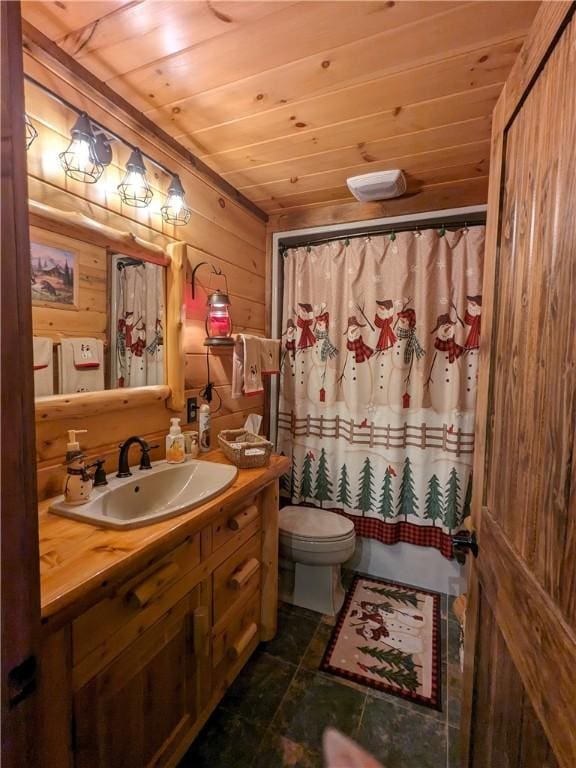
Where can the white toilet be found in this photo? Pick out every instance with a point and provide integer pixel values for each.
(313, 545)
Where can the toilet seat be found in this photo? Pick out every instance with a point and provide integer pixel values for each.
(307, 524)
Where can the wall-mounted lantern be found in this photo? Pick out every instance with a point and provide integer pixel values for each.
(134, 189)
(87, 155)
(218, 322)
(30, 131)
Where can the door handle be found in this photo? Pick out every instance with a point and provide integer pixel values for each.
(464, 541)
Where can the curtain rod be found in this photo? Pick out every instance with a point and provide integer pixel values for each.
(474, 220)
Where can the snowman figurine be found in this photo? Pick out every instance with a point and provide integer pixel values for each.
(471, 352)
(444, 377)
(405, 386)
(356, 376)
(304, 347)
(322, 387)
(382, 361)
(288, 364)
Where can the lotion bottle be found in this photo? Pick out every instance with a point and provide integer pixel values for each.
(175, 453)
(78, 483)
(204, 427)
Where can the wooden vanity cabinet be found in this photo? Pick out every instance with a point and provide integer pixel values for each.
(136, 712)
(129, 681)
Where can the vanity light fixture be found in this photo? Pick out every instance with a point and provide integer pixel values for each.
(85, 158)
(218, 321)
(134, 188)
(30, 131)
(174, 210)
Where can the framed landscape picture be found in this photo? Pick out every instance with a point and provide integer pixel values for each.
(54, 275)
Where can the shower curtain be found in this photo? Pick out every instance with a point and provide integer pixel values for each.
(378, 382)
(139, 313)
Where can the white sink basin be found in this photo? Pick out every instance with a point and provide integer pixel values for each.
(150, 495)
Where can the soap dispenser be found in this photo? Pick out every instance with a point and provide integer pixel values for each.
(78, 484)
(175, 451)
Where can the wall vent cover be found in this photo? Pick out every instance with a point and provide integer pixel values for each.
(381, 185)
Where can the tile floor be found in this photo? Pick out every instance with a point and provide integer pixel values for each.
(274, 714)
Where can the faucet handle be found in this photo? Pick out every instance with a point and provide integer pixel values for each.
(145, 458)
(99, 473)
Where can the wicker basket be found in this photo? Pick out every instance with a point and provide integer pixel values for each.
(244, 449)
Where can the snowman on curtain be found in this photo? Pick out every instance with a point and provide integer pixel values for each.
(322, 388)
(304, 347)
(405, 385)
(444, 377)
(288, 364)
(471, 352)
(382, 361)
(356, 376)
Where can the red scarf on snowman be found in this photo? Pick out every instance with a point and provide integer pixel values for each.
(473, 340)
(449, 345)
(307, 338)
(387, 337)
(362, 352)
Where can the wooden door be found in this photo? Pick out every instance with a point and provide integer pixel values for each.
(520, 654)
(20, 588)
(136, 712)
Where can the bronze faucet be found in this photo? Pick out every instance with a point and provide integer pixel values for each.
(123, 467)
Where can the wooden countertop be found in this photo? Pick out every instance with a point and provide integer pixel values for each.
(80, 562)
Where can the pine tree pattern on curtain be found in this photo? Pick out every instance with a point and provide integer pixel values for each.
(378, 387)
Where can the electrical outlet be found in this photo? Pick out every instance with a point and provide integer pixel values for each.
(191, 409)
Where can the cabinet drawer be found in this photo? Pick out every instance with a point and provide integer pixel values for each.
(237, 577)
(103, 631)
(234, 640)
(228, 525)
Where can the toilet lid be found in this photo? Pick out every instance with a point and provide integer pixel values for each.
(312, 523)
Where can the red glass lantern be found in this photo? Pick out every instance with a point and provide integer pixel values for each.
(218, 320)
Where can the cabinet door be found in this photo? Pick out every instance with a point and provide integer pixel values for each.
(137, 710)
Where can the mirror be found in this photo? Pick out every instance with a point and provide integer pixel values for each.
(97, 317)
(99, 310)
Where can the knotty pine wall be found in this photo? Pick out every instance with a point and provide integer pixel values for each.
(220, 231)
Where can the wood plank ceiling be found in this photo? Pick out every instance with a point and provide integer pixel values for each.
(288, 99)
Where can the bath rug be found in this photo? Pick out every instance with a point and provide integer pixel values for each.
(388, 637)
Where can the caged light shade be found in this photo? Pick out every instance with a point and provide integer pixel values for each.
(174, 211)
(80, 161)
(30, 131)
(134, 188)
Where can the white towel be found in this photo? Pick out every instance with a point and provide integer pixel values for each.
(43, 366)
(247, 366)
(81, 363)
(270, 356)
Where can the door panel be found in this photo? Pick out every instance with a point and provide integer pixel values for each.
(533, 381)
(136, 711)
(508, 733)
(520, 668)
(20, 581)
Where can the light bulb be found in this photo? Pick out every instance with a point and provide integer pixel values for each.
(134, 189)
(174, 210)
(79, 161)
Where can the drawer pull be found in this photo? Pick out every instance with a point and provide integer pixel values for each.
(242, 575)
(141, 595)
(237, 649)
(242, 519)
